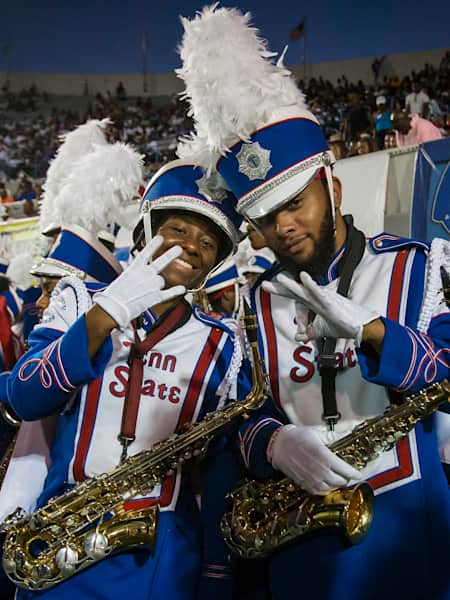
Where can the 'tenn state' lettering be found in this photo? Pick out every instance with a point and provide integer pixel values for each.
(150, 387)
(165, 362)
(301, 355)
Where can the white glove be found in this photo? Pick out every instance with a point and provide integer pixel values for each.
(336, 316)
(140, 286)
(298, 452)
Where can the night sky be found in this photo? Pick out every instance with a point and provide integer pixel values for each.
(105, 36)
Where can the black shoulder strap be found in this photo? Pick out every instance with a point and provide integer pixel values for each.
(354, 250)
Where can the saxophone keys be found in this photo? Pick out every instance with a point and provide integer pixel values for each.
(19, 557)
(10, 564)
(96, 545)
(40, 572)
(36, 522)
(66, 560)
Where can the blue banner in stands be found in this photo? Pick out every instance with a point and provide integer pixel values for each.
(430, 215)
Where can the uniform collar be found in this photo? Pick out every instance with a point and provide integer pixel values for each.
(331, 272)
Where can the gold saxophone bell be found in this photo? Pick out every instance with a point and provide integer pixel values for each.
(270, 514)
(351, 510)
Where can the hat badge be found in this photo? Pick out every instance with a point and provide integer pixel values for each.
(210, 187)
(254, 160)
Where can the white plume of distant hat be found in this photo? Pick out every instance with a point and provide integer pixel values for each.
(75, 144)
(99, 187)
(18, 271)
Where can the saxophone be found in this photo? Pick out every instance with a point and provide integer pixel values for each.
(268, 515)
(11, 424)
(88, 523)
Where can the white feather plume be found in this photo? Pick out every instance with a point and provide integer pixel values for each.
(232, 83)
(18, 271)
(100, 186)
(74, 145)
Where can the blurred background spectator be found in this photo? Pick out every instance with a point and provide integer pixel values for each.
(417, 102)
(337, 146)
(414, 130)
(382, 121)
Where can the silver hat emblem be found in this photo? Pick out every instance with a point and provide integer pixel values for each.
(211, 187)
(254, 160)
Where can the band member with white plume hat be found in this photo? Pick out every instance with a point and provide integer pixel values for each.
(96, 182)
(141, 350)
(341, 322)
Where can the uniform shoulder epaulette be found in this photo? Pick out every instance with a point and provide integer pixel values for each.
(387, 242)
(211, 319)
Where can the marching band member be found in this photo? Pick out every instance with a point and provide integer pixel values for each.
(369, 304)
(185, 364)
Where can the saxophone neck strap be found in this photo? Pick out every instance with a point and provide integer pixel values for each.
(353, 253)
(172, 319)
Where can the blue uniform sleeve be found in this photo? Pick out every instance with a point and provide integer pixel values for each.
(409, 360)
(254, 436)
(56, 365)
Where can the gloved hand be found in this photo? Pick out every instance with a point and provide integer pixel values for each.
(298, 452)
(140, 286)
(336, 316)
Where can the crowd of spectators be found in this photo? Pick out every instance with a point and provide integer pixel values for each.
(28, 142)
(357, 119)
(360, 118)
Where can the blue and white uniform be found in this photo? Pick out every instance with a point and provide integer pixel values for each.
(182, 380)
(409, 535)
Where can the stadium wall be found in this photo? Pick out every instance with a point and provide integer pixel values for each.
(166, 84)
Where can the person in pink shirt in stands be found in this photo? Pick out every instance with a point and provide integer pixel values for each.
(412, 129)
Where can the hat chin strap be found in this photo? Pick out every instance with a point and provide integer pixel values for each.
(147, 221)
(207, 276)
(329, 176)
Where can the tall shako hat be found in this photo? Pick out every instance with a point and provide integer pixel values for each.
(223, 277)
(77, 252)
(180, 185)
(100, 185)
(248, 113)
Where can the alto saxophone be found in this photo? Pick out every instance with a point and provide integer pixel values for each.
(268, 515)
(88, 522)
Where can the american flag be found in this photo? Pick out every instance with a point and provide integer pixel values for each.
(298, 31)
